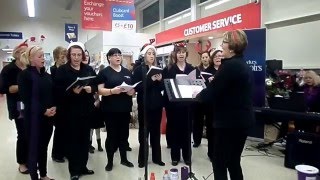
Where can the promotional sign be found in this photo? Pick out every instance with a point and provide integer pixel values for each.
(255, 57)
(71, 32)
(108, 15)
(243, 17)
(123, 18)
(95, 15)
(10, 35)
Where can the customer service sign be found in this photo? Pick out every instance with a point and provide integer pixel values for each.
(243, 17)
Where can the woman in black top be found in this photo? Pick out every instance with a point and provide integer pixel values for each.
(154, 105)
(78, 103)
(116, 106)
(9, 77)
(35, 89)
(177, 126)
(58, 146)
(231, 94)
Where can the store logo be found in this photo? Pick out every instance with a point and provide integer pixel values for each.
(254, 65)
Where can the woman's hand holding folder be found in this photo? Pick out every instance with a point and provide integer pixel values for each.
(77, 89)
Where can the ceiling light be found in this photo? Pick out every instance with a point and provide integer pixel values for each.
(30, 5)
(210, 37)
(6, 49)
(215, 4)
(9, 52)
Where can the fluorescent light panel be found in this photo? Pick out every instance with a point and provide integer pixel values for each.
(215, 4)
(30, 4)
(4, 49)
(9, 52)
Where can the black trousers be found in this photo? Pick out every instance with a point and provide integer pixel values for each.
(77, 145)
(178, 128)
(228, 146)
(198, 123)
(22, 145)
(117, 125)
(38, 155)
(58, 145)
(153, 128)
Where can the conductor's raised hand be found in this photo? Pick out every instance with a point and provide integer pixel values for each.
(131, 92)
(116, 90)
(87, 89)
(77, 89)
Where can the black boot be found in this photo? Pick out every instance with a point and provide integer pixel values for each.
(91, 148)
(99, 145)
(110, 162)
(124, 160)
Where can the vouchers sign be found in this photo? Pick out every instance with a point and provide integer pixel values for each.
(123, 18)
(94, 14)
(243, 17)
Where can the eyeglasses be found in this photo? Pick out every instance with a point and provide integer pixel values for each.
(116, 55)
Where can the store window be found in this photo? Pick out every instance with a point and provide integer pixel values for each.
(172, 7)
(151, 14)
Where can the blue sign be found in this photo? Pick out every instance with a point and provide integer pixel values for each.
(255, 57)
(71, 32)
(123, 12)
(10, 35)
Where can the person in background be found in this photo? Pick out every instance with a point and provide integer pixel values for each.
(9, 76)
(311, 90)
(36, 92)
(231, 94)
(58, 146)
(177, 126)
(78, 103)
(116, 106)
(216, 57)
(96, 120)
(154, 105)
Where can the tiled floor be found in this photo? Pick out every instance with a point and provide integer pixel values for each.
(254, 167)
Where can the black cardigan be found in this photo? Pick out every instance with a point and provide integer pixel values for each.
(9, 77)
(154, 98)
(231, 94)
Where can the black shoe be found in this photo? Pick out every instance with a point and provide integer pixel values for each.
(108, 167)
(74, 178)
(128, 148)
(188, 163)
(127, 163)
(100, 149)
(195, 145)
(58, 160)
(91, 149)
(141, 165)
(87, 172)
(160, 163)
(175, 163)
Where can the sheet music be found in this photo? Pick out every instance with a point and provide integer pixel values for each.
(175, 92)
(127, 87)
(187, 91)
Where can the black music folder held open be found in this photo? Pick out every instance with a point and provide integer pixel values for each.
(81, 81)
(153, 71)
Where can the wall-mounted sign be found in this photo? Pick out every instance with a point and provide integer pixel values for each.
(10, 35)
(71, 32)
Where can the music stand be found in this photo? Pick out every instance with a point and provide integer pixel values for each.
(174, 95)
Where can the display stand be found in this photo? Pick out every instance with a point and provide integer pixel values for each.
(174, 95)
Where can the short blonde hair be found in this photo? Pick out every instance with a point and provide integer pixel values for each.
(59, 50)
(313, 75)
(30, 52)
(18, 50)
(237, 40)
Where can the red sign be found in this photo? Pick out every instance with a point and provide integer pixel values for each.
(243, 17)
(94, 15)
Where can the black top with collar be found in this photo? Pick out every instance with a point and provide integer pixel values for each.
(116, 102)
(231, 93)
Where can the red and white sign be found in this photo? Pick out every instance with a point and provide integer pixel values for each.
(94, 14)
(243, 17)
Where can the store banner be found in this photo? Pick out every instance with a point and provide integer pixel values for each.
(71, 32)
(10, 35)
(255, 57)
(109, 15)
(95, 15)
(243, 17)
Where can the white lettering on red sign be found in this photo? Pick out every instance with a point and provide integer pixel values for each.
(217, 24)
